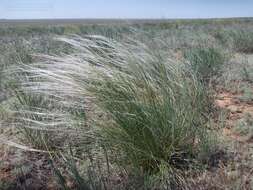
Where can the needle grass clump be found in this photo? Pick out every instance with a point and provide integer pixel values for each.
(145, 108)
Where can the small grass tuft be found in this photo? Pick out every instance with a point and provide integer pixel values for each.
(206, 63)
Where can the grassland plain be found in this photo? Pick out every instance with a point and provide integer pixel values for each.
(137, 104)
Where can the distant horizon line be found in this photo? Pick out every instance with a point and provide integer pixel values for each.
(179, 18)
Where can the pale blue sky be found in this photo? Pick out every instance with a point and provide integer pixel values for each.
(33, 9)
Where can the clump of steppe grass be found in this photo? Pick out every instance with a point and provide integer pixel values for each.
(243, 40)
(236, 76)
(245, 126)
(143, 108)
(239, 40)
(206, 62)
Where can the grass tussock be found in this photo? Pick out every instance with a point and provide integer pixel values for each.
(136, 103)
(238, 40)
(243, 41)
(205, 62)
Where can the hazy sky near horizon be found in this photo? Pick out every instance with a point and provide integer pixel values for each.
(35, 9)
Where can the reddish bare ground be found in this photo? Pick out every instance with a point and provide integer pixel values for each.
(24, 170)
(236, 110)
